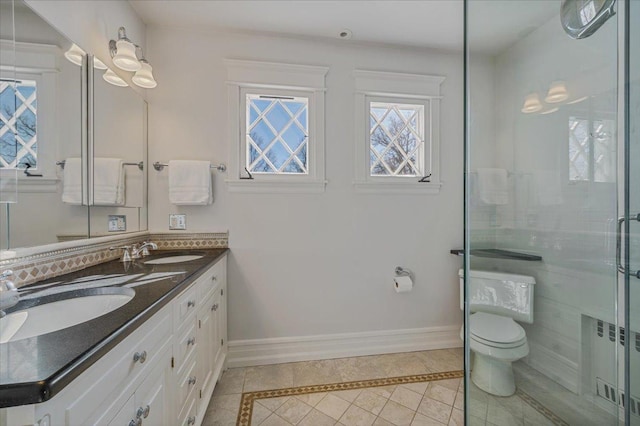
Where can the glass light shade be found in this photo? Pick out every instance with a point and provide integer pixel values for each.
(98, 64)
(74, 54)
(531, 103)
(113, 78)
(549, 111)
(125, 57)
(577, 101)
(557, 93)
(144, 77)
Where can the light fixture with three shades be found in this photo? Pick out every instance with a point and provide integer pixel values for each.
(125, 56)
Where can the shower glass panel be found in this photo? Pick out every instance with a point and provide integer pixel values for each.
(542, 202)
(632, 211)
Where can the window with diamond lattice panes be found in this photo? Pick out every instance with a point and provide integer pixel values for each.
(592, 152)
(396, 139)
(18, 124)
(277, 134)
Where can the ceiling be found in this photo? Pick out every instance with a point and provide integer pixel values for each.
(426, 23)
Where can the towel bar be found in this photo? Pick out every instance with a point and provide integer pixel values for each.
(139, 164)
(159, 166)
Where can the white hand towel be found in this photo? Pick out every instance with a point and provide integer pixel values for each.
(108, 182)
(492, 186)
(190, 183)
(548, 187)
(72, 182)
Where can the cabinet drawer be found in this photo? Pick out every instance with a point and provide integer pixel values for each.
(185, 306)
(188, 418)
(113, 376)
(187, 383)
(211, 280)
(186, 343)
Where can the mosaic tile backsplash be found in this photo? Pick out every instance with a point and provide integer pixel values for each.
(42, 266)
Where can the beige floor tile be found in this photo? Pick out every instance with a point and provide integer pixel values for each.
(259, 414)
(404, 364)
(453, 384)
(421, 420)
(220, 417)
(272, 404)
(312, 399)
(348, 395)
(502, 417)
(384, 391)
(227, 402)
(457, 418)
(370, 401)
(382, 422)
(435, 409)
(459, 402)
(440, 393)
(476, 421)
(397, 414)
(417, 387)
(274, 420)
(406, 397)
(316, 373)
(316, 418)
(332, 406)
(268, 377)
(361, 368)
(441, 360)
(232, 381)
(356, 416)
(293, 410)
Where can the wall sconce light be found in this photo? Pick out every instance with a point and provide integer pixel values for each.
(113, 78)
(531, 104)
(98, 64)
(74, 54)
(125, 57)
(557, 93)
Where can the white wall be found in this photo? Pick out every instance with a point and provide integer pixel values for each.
(303, 265)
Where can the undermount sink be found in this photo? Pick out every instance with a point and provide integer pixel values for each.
(173, 259)
(61, 311)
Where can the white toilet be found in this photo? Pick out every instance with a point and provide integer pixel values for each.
(496, 340)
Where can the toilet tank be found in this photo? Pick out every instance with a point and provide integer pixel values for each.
(509, 295)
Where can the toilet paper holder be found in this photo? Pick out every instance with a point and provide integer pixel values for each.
(402, 272)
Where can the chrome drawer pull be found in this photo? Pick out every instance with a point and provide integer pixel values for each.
(140, 357)
(191, 303)
(191, 341)
(214, 307)
(192, 380)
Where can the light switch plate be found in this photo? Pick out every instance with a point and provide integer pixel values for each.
(178, 221)
(117, 223)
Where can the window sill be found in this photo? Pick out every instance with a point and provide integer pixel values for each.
(397, 187)
(257, 186)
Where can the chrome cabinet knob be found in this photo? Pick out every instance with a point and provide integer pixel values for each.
(191, 303)
(214, 278)
(214, 307)
(143, 412)
(136, 422)
(140, 357)
(192, 380)
(191, 420)
(191, 341)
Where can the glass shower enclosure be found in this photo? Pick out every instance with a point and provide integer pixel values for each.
(552, 196)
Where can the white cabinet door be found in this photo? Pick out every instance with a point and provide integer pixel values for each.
(221, 325)
(207, 334)
(125, 415)
(152, 403)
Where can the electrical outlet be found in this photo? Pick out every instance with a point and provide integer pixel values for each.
(178, 221)
(117, 223)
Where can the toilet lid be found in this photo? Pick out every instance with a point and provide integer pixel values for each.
(495, 328)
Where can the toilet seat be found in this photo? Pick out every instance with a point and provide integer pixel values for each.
(496, 331)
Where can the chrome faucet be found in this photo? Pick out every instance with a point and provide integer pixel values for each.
(9, 295)
(143, 250)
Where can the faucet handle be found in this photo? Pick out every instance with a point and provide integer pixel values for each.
(126, 256)
(9, 295)
(5, 275)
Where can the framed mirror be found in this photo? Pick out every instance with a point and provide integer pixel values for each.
(42, 127)
(118, 141)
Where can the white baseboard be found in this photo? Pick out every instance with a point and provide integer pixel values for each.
(556, 367)
(243, 353)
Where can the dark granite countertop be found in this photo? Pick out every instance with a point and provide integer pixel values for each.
(33, 370)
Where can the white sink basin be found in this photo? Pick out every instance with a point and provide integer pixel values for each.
(53, 316)
(173, 259)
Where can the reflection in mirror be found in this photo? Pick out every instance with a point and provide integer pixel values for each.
(120, 157)
(45, 127)
(582, 18)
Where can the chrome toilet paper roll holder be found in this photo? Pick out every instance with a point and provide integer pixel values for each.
(402, 272)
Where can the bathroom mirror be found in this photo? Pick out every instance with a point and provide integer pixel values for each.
(582, 18)
(119, 144)
(42, 125)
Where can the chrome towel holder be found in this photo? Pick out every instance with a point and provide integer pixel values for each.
(140, 164)
(160, 166)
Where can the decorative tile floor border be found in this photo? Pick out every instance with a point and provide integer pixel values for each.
(246, 404)
(553, 418)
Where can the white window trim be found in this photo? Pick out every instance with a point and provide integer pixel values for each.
(253, 76)
(396, 87)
